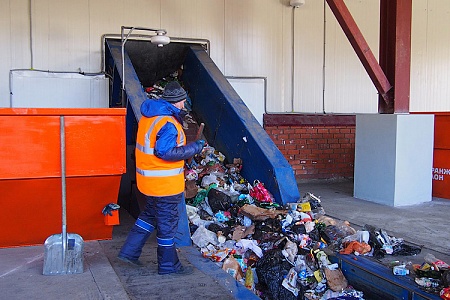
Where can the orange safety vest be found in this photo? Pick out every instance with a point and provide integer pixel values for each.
(155, 176)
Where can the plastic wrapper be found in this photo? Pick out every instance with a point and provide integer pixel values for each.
(232, 267)
(359, 236)
(334, 234)
(290, 282)
(221, 216)
(445, 293)
(250, 244)
(260, 193)
(216, 255)
(427, 282)
(383, 244)
(194, 217)
(437, 263)
(202, 237)
(356, 247)
(290, 251)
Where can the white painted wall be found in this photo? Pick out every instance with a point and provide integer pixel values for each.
(430, 58)
(348, 88)
(253, 92)
(260, 38)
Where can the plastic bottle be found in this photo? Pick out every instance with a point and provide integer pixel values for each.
(249, 280)
(300, 267)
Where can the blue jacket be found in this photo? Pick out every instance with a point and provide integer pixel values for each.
(166, 139)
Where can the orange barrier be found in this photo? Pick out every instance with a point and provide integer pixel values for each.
(30, 172)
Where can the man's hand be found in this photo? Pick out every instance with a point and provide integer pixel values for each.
(201, 143)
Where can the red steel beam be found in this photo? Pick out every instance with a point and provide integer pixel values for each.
(362, 49)
(395, 51)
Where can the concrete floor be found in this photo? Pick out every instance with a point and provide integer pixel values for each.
(105, 277)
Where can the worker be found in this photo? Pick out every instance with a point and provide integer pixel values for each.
(160, 153)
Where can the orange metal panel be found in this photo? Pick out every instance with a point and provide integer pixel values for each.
(441, 159)
(29, 147)
(441, 173)
(95, 144)
(30, 171)
(441, 154)
(62, 111)
(442, 131)
(31, 208)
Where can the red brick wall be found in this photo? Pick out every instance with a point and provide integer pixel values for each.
(316, 146)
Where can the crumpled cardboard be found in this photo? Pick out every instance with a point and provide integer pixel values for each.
(335, 279)
(256, 213)
(241, 231)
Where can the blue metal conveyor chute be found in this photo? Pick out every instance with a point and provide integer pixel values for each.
(229, 125)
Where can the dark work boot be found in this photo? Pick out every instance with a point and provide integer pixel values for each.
(183, 271)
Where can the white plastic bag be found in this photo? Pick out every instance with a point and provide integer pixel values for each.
(202, 237)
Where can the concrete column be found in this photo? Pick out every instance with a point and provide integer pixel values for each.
(393, 158)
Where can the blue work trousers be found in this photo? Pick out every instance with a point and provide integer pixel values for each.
(161, 213)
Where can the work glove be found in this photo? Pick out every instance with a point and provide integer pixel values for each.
(201, 144)
(107, 210)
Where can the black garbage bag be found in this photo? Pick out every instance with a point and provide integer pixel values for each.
(218, 200)
(192, 228)
(446, 278)
(214, 227)
(299, 229)
(405, 250)
(271, 270)
(376, 240)
(315, 234)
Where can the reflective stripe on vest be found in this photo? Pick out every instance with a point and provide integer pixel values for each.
(160, 173)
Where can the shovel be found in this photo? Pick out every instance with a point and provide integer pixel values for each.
(63, 252)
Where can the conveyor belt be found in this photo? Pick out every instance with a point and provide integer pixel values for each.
(229, 125)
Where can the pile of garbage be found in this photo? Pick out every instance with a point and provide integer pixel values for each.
(277, 251)
(281, 251)
(433, 276)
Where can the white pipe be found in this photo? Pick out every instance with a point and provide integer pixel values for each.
(323, 60)
(31, 33)
(293, 59)
(204, 42)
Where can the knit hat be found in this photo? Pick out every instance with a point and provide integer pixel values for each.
(173, 92)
